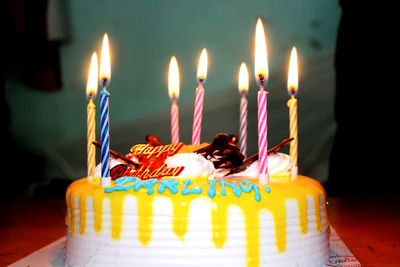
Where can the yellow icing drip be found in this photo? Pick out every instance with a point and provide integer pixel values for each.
(317, 213)
(252, 236)
(97, 197)
(180, 215)
(145, 214)
(82, 213)
(277, 208)
(274, 202)
(219, 221)
(73, 213)
(303, 216)
(116, 204)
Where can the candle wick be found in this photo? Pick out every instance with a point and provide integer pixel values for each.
(261, 77)
(104, 82)
(293, 92)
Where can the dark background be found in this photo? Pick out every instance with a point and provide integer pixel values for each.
(48, 47)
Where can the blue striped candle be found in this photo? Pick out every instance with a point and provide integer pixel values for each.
(105, 135)
(104, 79)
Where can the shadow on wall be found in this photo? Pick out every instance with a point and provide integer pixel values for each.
(221, 113)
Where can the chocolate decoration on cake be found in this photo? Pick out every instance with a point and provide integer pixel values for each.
(254, 157)
(223, 152)
(118, 171)
(118, 155)
(153, 140)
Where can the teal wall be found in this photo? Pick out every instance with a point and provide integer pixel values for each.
(143, 36)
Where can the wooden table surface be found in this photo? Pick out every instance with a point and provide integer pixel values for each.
(369, 227)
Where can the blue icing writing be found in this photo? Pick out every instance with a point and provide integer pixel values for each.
(171, 185)
(268, 189)
(211, 190)
(121, 184)
(186, 191)
(235, 188)
(149, 184)
(246, 187)
(125, 179)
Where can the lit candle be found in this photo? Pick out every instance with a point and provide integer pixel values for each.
(173, 91)
(105, 76)
(198, 104)
(243, 89)
(261, 71)
(91, 91)
(292, 86)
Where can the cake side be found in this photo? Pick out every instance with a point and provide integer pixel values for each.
(197, 222)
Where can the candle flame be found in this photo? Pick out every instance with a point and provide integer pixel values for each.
(261, 58)
(91, 87)
(202, 68)
(173, 78)
(243, 79)
(293, 76)
(105, 68)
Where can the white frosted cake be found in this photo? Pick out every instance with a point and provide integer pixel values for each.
(185, 206)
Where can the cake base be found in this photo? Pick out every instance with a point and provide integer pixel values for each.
(53, 255)
(198, 222)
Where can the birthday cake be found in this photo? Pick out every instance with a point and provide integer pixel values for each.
(186, 205)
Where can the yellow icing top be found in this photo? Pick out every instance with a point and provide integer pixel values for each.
(297, 190)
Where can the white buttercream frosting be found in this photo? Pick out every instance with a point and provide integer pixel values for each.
(196, 248)
(195, 165)
(113, 163)
(278, 163)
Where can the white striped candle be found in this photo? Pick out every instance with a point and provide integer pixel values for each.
(243, 89)
(292, 86)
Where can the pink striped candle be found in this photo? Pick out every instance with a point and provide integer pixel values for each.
(262, 136)
(174, 122)
(198, 104)
(261, 71)
(173, 90)
(198, 114)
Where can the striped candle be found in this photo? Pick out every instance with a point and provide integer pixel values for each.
(262, 136)
(105, 133)
(292, 86)
(91, 91)
(261, 72)
(198, 103)
(198, 114)
(243, 125)
(243, 89)
(292, 104)
(174, 122)
(105, 77)
(173, 91)
(91, 137)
